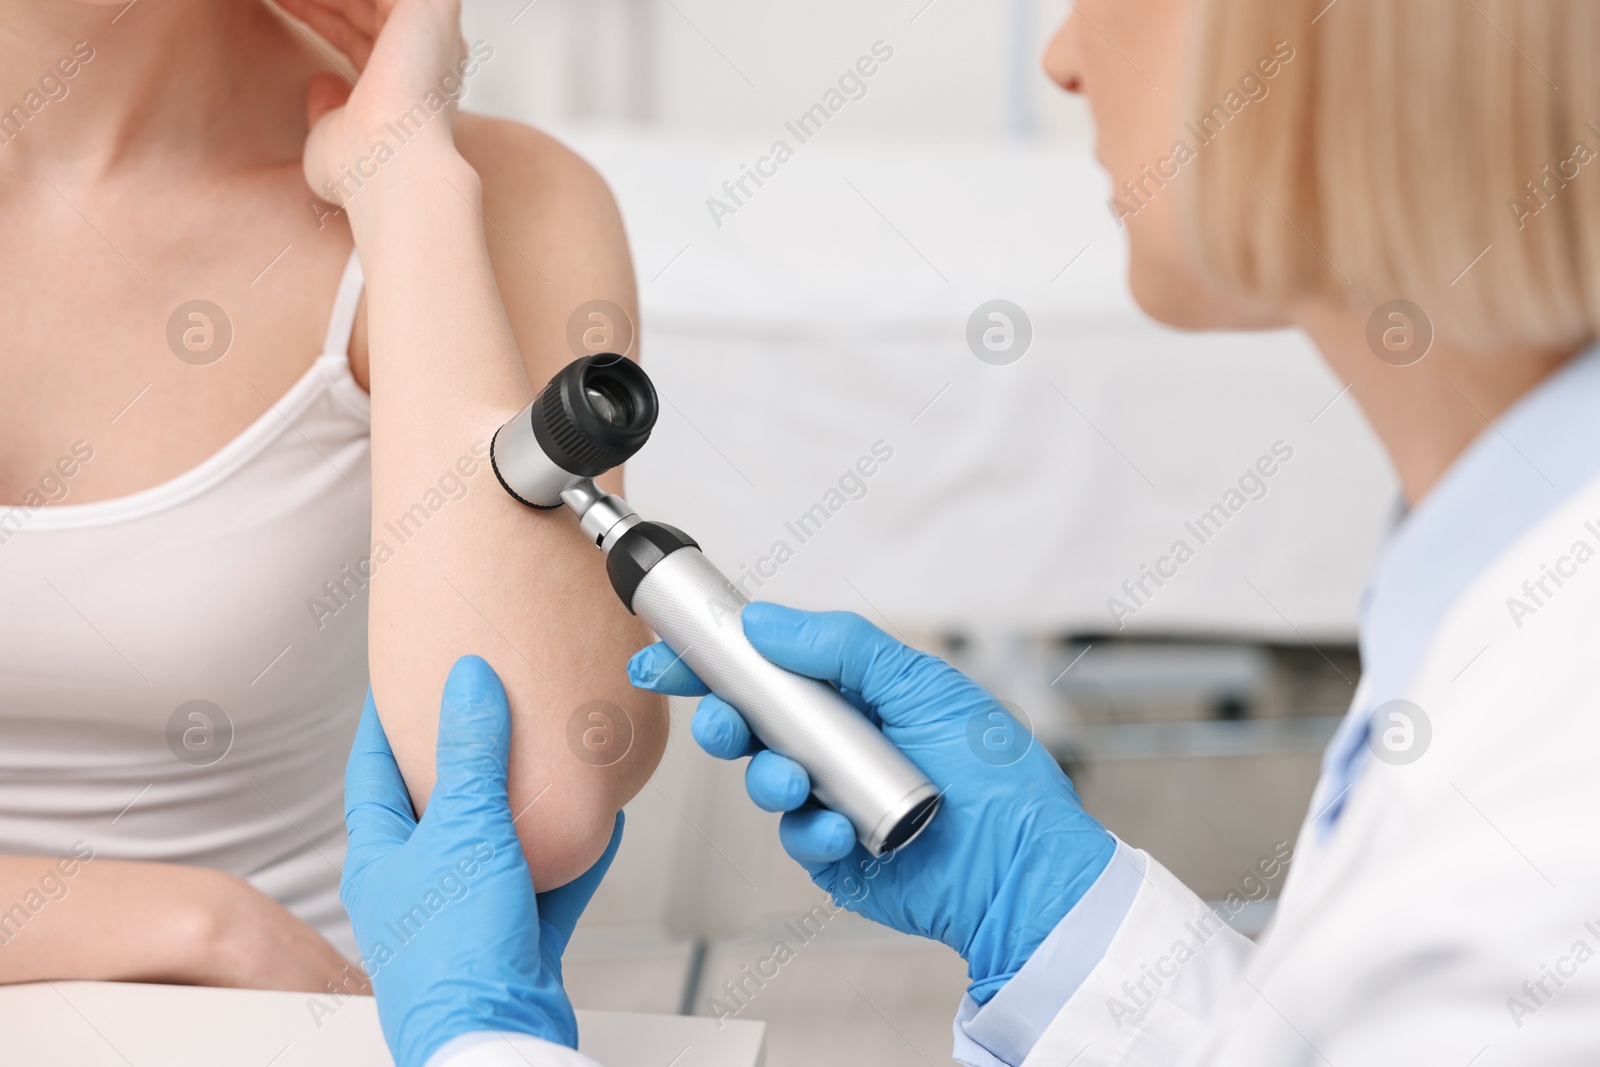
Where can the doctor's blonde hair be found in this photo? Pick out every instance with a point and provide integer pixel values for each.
(1445, 152)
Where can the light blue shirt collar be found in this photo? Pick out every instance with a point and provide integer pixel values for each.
(1544, 449)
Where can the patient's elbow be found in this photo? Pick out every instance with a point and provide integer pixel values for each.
(565, 798)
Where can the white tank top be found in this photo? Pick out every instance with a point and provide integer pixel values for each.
(118, 616)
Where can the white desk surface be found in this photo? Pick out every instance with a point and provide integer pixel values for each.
(117, 1024)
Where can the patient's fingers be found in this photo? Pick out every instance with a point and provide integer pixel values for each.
(661, 670)
(345, 25)
(362, 14)
(325, 92)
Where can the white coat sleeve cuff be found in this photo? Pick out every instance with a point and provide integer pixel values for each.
(1004, 1031)
(1165, 984)
(489, 1048)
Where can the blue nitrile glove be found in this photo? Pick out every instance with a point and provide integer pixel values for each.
(445, 915)
(1007, 856)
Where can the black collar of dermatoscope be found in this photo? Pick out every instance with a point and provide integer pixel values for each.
(575, 436)
(637, 552)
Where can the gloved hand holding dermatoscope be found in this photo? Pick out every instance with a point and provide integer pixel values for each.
(592, 417)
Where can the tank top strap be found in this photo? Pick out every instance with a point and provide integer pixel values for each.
(342, 321)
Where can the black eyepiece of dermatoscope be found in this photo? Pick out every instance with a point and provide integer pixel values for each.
(595, 414)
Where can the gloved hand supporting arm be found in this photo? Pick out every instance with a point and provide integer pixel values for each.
(450, 930)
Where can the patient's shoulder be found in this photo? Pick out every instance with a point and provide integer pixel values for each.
(556, 239)
(527, 170)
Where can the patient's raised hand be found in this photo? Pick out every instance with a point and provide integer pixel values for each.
(410, 54)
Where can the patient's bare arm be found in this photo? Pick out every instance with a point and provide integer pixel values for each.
(68, 917)
(478, 243)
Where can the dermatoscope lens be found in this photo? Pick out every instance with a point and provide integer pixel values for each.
(592, 417)
(610, 401)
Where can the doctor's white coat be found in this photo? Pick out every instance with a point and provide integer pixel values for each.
(1452, 915)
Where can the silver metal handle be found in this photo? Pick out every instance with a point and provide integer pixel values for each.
(855, 770)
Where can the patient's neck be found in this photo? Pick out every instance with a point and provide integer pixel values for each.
(222, 81)
(1426, 414)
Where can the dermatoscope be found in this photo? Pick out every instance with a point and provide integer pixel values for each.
(593, 416)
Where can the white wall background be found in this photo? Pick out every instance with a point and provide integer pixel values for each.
(962, 68)
(825, 312)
